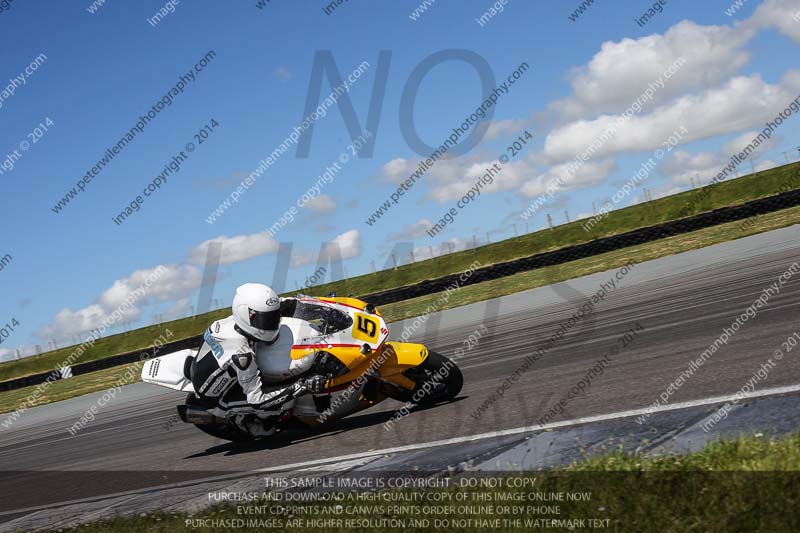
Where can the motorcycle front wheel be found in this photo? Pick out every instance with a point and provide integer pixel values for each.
(443, 377)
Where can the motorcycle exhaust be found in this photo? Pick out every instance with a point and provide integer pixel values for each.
(193, 415)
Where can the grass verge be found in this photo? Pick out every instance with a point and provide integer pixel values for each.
(69, 388)
(747, 484)
(590, 265)
(85, 384)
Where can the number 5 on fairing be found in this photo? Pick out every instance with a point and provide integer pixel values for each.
(367, 326)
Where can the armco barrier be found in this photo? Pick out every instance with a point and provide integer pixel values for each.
(495, 271)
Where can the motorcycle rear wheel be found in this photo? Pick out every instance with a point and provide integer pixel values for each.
(220, 431)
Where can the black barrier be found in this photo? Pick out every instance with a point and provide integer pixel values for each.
(106, 362)
(498, 270)
(595, 247)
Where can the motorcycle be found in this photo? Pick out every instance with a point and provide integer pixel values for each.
(348, 341)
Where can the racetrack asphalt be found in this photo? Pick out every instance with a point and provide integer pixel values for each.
(681, 304)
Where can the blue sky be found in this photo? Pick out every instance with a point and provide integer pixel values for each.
(105, 69)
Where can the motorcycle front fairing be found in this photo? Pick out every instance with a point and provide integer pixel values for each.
(356, 334)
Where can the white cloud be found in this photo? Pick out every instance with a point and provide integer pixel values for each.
(705, 95)
(443, 171)
(6, 355)
(397, 169)
(66, 322)
(164, 283)
(456, 178)
(683, 167)
(180, 309)
(736, 145)
(344, 246)
(283, 73)
(322, 204)
(348, 244)
(766, 165)
(160, 284)
(741, 103)
(412, 231)
(781, 14)
(450, 179)
(236, 249)
(422, 253)
(503, 128)
(303, 257)
(591, 173)
(621, 71)
(170, 282)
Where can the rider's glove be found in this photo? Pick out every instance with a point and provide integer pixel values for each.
(314, 384)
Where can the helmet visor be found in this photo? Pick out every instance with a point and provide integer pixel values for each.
(267, 320)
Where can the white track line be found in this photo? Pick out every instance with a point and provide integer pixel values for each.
(554, 425)
(775, 391)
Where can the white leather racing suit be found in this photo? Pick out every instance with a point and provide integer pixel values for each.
(225, 369)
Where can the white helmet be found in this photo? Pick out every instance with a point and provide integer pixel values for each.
(257, 311)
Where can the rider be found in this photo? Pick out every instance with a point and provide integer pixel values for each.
(225, 369)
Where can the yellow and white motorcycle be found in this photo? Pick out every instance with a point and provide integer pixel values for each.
(347, 341)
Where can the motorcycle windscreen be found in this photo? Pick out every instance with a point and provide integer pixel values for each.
(324, 319)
